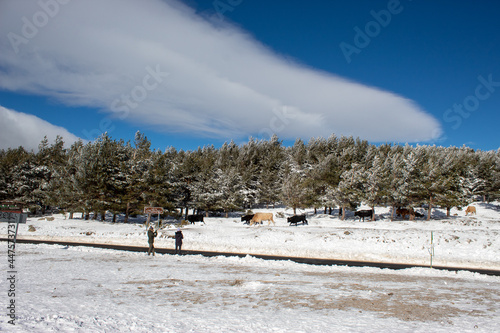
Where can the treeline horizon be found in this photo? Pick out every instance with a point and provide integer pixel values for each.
(124, 177)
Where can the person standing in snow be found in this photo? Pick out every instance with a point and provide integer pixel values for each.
(178, 240)
(151, 240)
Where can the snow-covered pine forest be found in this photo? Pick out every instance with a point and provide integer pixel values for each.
(120, 177)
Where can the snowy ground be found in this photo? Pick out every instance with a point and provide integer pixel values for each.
(80, 289)
(459, 241)
(94, 290)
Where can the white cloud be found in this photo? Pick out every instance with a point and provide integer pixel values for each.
(221, 82)
(21, 129)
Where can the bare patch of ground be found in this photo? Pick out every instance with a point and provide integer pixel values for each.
(403, 297)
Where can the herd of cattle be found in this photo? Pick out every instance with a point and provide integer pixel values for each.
(259, 217)
(256, 218)
(295, 220)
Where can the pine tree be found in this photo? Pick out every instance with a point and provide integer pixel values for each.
(249, 167)
(432, 177)
(184, 177)
(328, 171)
(487, 170)
(377, 180)
(204, 186)
(135, 165)
(97, 175)
(57, 159)
(270, 164)
(397, 188)
(118, 181)
(71, 193)
(349, 193)
(33, 179)
(231, 184)
(453, 166)
(10, 160)
(30, 182)
(231, 194)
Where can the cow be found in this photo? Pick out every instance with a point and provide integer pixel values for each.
(471, 210)
(417, 214)
(294, 220)
(195, 218)
(247, 218)
(405, 211)
(364, 213)
(259, 217)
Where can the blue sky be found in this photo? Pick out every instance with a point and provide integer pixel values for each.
(194, 73)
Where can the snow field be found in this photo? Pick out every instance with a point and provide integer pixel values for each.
(83, 289)
(459, 241)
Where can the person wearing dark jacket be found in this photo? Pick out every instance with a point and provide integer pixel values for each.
(151, 240)
(178, 241)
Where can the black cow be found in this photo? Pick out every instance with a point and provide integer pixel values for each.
(247, 218)
(364, 213)
(297, 219)
(417, 214)
(195, 218)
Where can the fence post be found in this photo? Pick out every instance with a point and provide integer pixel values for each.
(431, 249)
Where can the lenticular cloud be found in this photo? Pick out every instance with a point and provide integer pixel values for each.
(159, 63)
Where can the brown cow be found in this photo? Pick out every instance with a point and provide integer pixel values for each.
(471, 210)
(259, 217)
(405, 211)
